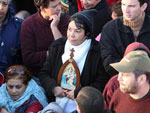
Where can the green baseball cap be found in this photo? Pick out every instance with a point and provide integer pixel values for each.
(134, 60)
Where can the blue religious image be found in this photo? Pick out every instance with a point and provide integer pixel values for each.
(69, 79)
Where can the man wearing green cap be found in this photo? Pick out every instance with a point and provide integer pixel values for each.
(133, 95)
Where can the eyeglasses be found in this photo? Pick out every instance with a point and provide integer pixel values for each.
(18, 71)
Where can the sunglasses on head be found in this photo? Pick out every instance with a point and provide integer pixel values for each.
(13, 71)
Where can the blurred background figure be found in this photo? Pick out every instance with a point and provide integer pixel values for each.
(90, 100)
(22, 14)
(40, 30)
(102, 16)
(20, 93)
(9, 36)
(111, 2)
(116, 10)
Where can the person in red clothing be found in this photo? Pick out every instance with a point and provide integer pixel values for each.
(39, 30)
(110, 2)
(20, 93)
(113, 83)
(133, 94)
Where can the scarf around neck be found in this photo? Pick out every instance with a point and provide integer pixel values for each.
(32, 89)
(135, 24)
(80, 53)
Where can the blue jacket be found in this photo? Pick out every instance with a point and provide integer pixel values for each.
(10, 41)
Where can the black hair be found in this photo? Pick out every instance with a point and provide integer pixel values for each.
(142, 2)
(81, 24)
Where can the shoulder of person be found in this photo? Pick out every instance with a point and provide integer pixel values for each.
(112, 23)
(95, 46)
(17, 20)
(64, 16)
(59, 42)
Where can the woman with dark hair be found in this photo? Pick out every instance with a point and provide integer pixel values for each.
(40, 30)
(20, 93)
(86, 55)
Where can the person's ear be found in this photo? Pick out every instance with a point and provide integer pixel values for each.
(78, 109)
(142, 78)
(144, 6)
(42, 9)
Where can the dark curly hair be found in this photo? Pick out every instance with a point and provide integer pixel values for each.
(81, 24)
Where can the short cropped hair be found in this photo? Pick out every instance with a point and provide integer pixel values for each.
(90, 100)
(139, 72)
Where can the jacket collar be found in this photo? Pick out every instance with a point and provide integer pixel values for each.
(8, 16)
(102, 4)
(127, 29)
(41, 19)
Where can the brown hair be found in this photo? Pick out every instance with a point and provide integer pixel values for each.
(90, 100)
(116, 7)
(43, 3)
(18, 72)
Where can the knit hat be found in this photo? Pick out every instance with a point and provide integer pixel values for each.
(136, 46)
(53, 107)
(134, 60)
(88, 17)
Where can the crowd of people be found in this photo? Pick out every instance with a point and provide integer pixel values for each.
(103, 43)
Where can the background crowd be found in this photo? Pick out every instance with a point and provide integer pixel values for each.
(106, 42)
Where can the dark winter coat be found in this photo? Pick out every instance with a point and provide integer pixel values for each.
(10, 53)
(116, 37)
(93, 73)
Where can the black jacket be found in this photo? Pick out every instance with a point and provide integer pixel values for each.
(102, 17)
(116, 37)
(93, 73)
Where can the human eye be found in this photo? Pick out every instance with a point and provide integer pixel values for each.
(4, 4)
(10, 86)
(132, 6)
(69, 29)
(18, 86)
(78, 30)
(122, 4)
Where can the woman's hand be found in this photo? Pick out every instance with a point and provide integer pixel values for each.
(3, 110)
(59, 92)
(70, 94)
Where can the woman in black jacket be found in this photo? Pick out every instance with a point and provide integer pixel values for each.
(87, 57)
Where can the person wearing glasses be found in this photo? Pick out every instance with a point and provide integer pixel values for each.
(20, 93)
